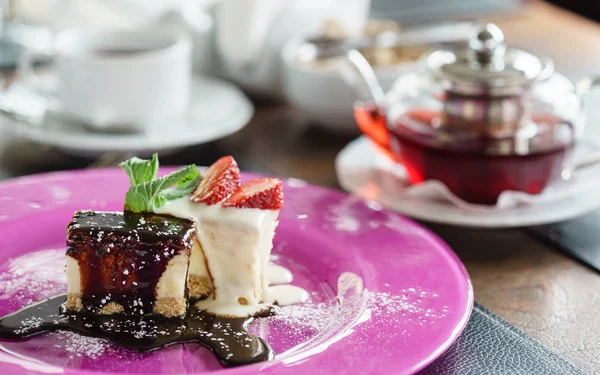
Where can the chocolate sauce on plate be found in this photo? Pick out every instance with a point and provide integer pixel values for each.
(227, 338)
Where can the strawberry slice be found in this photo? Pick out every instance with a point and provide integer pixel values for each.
(263, 193)
(218, 182)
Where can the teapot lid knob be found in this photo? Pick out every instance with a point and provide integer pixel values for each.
(486, 47)
(487, 66)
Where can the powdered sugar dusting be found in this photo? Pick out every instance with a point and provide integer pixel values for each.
(34, 276)
(411, 307)
(75, 345)
(305, 319)
(299, 329)
(347, 214)
(29, 324)
(342, 215)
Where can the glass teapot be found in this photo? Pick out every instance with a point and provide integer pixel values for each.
(482, 119)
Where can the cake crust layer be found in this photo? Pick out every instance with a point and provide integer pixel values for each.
(169, 307)
(199, 286)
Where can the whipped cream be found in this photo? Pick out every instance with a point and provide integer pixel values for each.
(236, 245)
(278, 274)
(286, 294)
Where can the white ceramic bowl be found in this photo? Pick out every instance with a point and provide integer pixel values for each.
(322, 93)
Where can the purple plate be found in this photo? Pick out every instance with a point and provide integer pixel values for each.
(387, 296)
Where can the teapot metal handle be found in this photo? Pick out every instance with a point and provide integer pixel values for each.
(581, 89)
(368, 75)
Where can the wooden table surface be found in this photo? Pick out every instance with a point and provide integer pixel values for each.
(538, 289)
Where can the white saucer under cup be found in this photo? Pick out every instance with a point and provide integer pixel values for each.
(217, 109)
(120, 80)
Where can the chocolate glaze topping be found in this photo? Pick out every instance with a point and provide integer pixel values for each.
(227, 338)
(122, 256)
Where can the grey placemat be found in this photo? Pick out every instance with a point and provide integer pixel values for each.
(579, 238)
(490, 346)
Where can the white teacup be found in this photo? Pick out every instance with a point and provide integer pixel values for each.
(121, 80)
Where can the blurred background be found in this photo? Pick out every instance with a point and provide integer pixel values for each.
(254, 78)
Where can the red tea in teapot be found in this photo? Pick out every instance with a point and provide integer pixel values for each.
(475, 167)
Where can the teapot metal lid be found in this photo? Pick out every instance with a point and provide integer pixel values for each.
(487, 66)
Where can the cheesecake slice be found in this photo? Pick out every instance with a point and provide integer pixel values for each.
(236, 226)
(237, 244)
(132, 263)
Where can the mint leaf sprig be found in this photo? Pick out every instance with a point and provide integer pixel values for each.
(148, 192)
